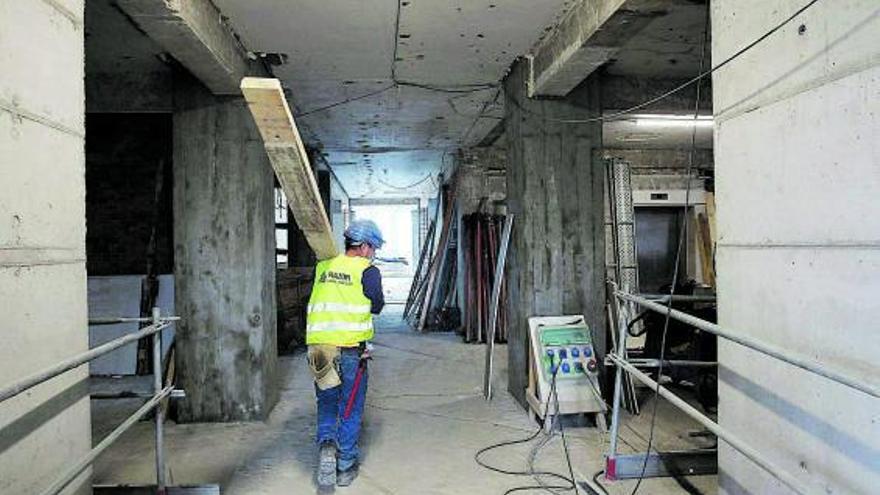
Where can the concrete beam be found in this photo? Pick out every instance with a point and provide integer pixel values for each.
(194, 33)
(588, 36)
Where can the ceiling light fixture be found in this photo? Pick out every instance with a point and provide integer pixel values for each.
(673, 120)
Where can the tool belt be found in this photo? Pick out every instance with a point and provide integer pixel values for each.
(324, 363)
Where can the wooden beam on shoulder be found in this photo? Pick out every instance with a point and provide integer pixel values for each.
(267, 103)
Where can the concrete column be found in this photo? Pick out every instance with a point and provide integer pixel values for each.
(224, 255)
(554, 187)
(43, 299)
(798, 257)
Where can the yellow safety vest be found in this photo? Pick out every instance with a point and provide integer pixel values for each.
(339, 312)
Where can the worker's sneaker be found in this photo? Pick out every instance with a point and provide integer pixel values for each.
(345, 478)
(327, 465)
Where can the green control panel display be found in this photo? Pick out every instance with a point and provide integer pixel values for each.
(567, 350)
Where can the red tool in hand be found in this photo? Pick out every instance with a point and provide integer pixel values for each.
(362, 366)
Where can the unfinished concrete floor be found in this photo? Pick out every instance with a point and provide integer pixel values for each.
(425, 419)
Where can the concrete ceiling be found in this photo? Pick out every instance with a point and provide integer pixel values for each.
(343, 49)
(391, 140)
(669, 46)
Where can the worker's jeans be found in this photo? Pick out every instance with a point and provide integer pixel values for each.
(332, 426)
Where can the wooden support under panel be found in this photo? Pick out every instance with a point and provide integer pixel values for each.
(267, 104)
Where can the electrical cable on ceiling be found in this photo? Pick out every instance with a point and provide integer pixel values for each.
(406, 187)
(343, 102)
(397, 83)
(682, 235)
(483, 86)
(457, 89)
(485, 107)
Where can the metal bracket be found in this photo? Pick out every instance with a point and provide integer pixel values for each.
(676, 463)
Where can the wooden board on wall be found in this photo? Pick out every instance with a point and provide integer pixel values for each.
(286, 152)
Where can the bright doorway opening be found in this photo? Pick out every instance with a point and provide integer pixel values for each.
(399, 223)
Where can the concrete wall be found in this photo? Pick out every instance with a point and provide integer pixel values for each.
(224, 256)
(555, 180)
(797, 181)
(42, 241)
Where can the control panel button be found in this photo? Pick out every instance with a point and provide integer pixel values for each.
(591, 365)
(588, 352)
(550, 352)
(562, 354)
(566, 368)
(579, 367)
(575, 352)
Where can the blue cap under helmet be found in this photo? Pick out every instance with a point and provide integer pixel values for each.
(364, 231)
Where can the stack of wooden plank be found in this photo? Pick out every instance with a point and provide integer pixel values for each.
(481, 239)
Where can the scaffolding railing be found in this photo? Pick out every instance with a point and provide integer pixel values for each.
(160, 393)
(623, 365)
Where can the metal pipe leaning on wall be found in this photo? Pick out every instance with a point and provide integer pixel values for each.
(482, 236)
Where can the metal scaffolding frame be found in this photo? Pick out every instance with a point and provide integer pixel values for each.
(653, 464)
(160, 393)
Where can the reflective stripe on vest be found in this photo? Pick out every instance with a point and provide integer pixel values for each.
(335, 326)
(339, 308)
(338, 311)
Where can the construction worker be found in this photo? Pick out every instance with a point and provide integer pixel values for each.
(346, 294)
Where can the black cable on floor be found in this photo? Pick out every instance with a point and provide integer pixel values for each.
(555, 395)
(596, 480)
(570, 481)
